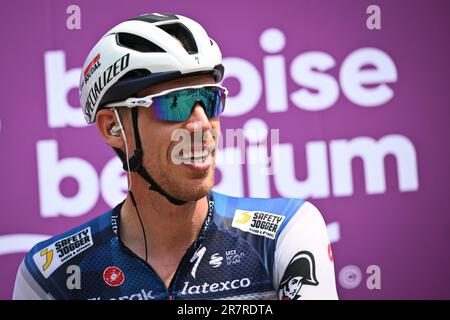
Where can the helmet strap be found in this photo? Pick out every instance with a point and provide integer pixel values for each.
(135, 162)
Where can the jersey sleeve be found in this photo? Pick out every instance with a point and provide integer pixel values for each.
(26, 287)
(303, 262)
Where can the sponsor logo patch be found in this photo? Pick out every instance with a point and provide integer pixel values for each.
(257, 222)
(301, 271)
(90, 69)
(52, 257)
(215, 287)
(103, 81)
(234, 257)
(113, 276)
(216, 260)
(197, 257)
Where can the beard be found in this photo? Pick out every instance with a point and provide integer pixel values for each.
(186, 189)
(181, 182)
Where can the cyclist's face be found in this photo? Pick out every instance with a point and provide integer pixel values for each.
(294, 286)
(194, 178)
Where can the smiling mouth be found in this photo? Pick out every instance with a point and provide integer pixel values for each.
(197, 156)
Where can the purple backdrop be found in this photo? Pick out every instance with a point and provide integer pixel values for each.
(395, 219)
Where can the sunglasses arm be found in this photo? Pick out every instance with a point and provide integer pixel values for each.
(132, 103)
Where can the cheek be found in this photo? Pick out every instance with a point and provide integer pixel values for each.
(159, 143)
(155, 136)
(215, 124)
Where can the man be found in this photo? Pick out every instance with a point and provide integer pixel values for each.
(150, 84)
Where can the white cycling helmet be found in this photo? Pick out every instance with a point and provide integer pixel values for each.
(144, 51)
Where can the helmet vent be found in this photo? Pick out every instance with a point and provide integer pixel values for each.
(155, 17)
(182, 34)
(136, 73)
(134, 42)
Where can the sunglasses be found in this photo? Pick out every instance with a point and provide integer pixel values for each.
(176, 104)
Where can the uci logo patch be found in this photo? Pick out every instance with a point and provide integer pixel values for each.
(257, 222)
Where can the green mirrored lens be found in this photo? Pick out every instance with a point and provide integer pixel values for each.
(177, 105)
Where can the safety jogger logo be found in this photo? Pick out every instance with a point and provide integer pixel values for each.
(257, 222)
(52, 257)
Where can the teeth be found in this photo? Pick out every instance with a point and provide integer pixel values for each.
(196, 154)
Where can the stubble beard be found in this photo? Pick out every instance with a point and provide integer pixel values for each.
(191, 190)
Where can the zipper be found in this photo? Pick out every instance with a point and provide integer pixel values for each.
(195, 245)
(200, 238)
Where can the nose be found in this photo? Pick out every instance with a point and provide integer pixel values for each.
(198, 119)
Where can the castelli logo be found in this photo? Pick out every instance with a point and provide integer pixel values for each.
(113, 276)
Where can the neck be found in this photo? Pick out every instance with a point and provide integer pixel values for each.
(169, 229)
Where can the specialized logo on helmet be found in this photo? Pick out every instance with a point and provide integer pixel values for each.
(261, 223)
(102, 82)
(90, 69)
(113, 276)
(300, 271)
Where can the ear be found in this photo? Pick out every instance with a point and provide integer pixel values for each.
(105, 121)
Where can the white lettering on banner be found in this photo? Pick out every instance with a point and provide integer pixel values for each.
(113, 182)
(308, 70)
(373, 153)
(251, 87)
(256, 132)
(353, 77)
(58, 83)
(51, 171)
(334, 232)
(231, 173)
(304, 71)
(317, 182)
(273, 41)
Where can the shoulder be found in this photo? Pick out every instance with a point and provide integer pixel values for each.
(277, 228)
(308, 216)
(274, 214)
(47, 258)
